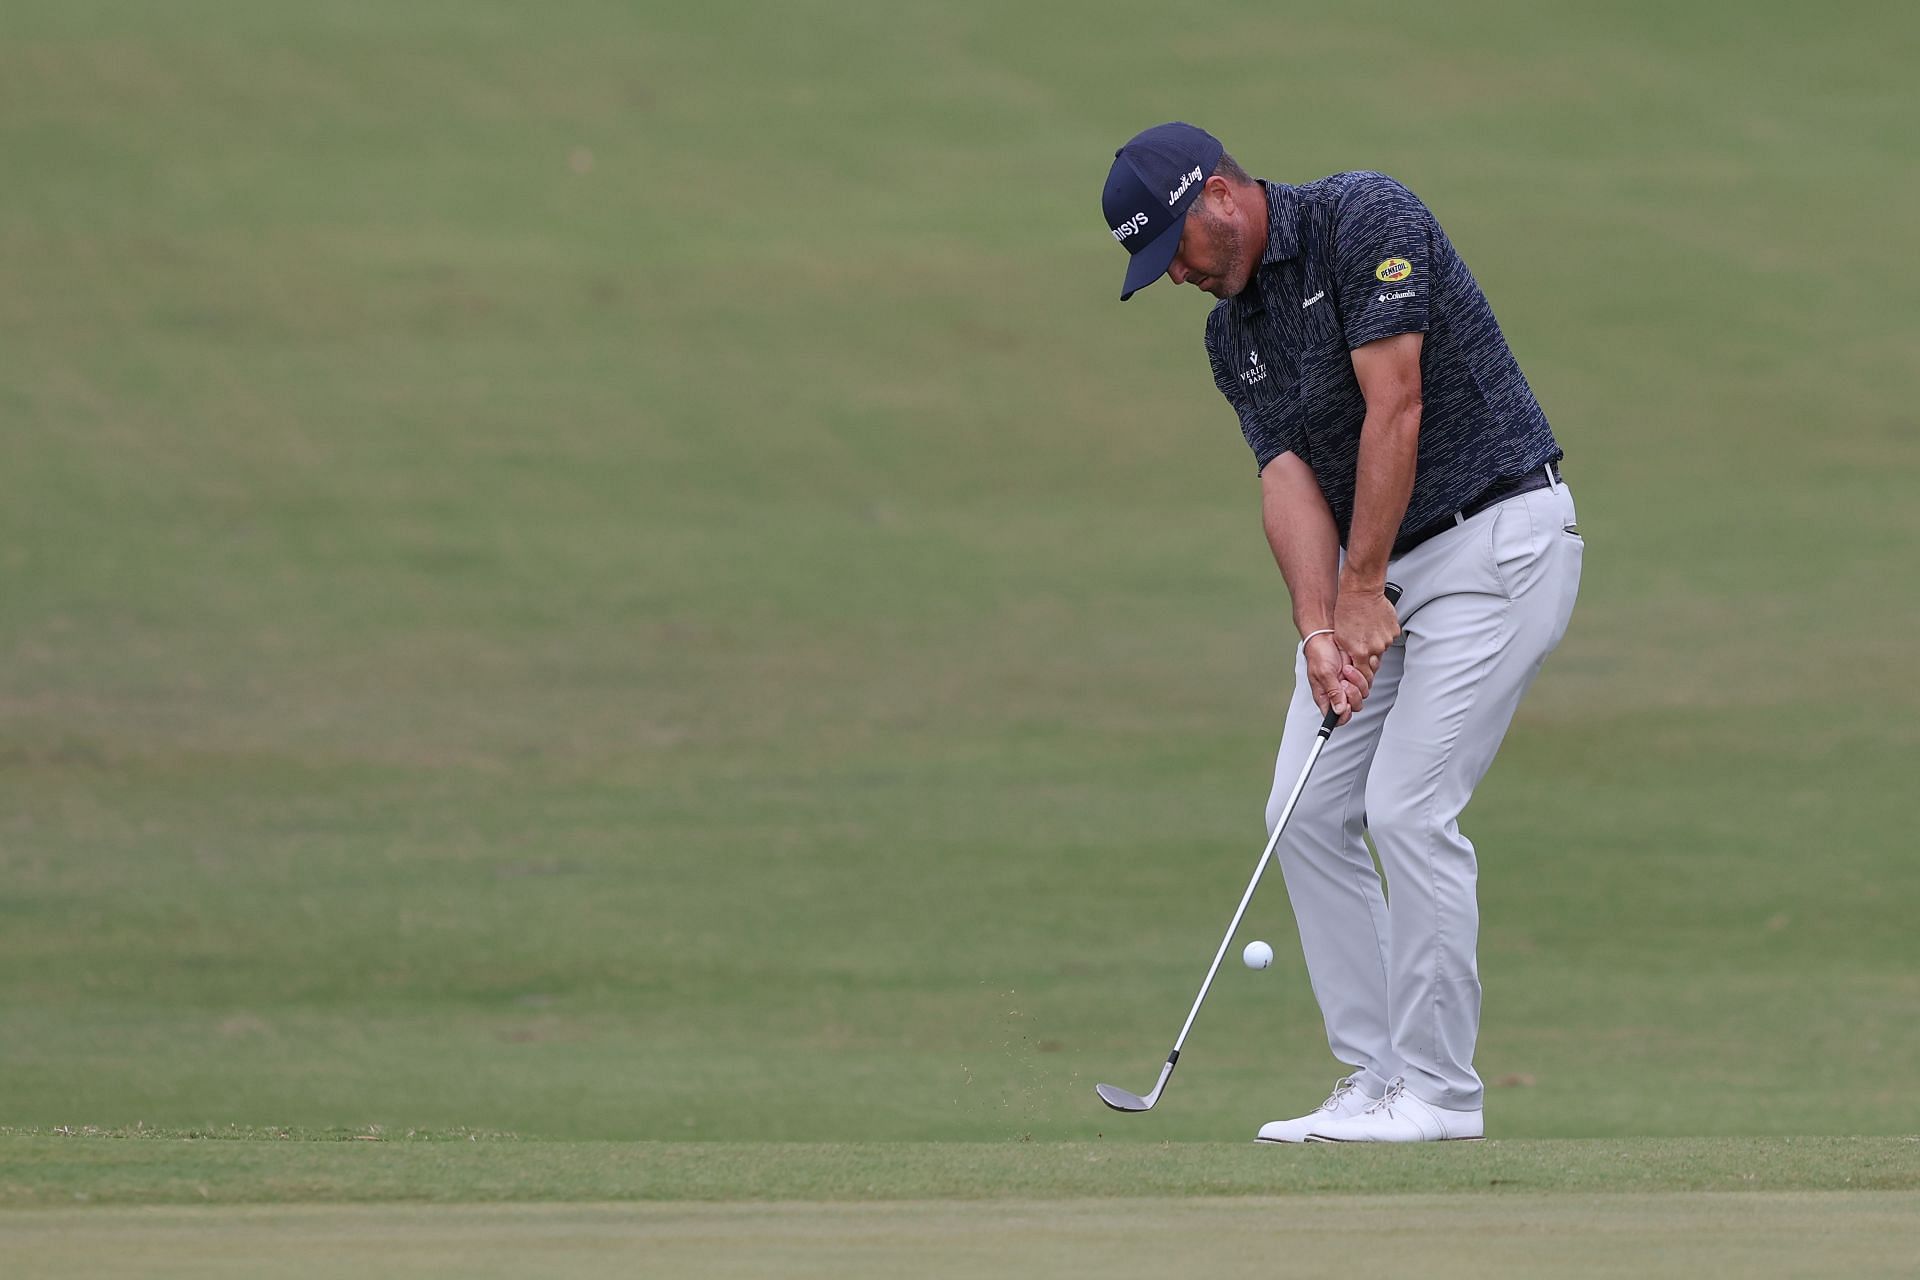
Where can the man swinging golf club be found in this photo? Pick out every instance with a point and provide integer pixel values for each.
(1411, 492)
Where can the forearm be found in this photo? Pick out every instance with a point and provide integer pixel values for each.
(1389, 374)
(1383, 483)
(1304, 539)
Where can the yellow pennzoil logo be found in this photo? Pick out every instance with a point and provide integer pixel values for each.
(1393, 270)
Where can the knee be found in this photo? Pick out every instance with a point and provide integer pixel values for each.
(1320, 810)
(1397, 818)
(1276, 805)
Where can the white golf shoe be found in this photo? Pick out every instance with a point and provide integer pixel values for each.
(1400, 1117)
(1345, 1100)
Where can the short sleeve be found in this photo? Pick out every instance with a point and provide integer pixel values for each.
(1382, 259)
(1265, 432)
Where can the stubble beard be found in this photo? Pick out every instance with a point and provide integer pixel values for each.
(1232, 246)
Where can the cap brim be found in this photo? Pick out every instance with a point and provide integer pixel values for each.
(1152, 261)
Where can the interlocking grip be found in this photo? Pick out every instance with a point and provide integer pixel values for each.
(1332, 721)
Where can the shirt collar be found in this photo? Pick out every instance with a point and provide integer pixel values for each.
(1283, 242)
(1283, 219)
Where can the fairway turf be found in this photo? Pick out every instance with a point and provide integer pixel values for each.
(53, 1170)
(612, 585)
(490, 646)
(1631, 1237)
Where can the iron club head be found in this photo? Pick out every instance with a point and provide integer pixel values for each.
(1120, 1099)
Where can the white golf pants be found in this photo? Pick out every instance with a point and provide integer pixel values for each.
(1395, 974)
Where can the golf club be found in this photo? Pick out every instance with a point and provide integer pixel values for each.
(1120, 1099)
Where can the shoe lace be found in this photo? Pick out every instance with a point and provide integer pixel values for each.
(1340, 1090)
(1383, 1106)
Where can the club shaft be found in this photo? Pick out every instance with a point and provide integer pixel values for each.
(1313, 754)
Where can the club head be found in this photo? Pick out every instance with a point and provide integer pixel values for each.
(1120, 1099)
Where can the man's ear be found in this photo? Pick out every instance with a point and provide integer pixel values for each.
(1222, 198)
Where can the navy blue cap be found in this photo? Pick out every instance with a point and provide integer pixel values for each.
(1155, 179)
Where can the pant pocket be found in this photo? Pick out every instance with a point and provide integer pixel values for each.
(1513, 546)
(1569, 560)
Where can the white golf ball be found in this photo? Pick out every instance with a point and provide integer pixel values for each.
(1258, 955)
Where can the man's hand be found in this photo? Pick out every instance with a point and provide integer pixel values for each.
(1337, 684)
(1364, 624)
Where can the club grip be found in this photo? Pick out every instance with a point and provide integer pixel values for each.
(1332, 720)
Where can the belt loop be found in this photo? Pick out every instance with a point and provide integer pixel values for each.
(1459, 518)
(1553, 481)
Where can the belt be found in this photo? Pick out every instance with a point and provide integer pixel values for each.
(1540, 477)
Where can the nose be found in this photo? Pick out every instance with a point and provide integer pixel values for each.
(1177, 272)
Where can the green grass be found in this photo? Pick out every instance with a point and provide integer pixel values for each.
(1451, 1237)
(304, 1203)
(51, 1170)
(617, 575)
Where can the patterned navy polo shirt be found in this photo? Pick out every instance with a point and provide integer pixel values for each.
(1351, 259)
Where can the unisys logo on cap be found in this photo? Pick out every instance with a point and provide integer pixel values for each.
(1155, 179)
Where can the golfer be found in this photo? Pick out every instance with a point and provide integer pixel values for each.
(1397, 442)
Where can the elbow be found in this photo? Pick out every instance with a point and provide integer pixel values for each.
(1399, 403)
(1404, 410)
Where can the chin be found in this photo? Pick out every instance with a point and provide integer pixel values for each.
(1227, 286)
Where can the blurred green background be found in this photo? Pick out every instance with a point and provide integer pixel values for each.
(619, 571)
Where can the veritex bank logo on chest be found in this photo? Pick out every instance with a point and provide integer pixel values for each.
(1257, 372)
(1132, 226)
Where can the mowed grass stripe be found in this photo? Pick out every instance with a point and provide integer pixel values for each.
(43, 1171)
(1684, 1234)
